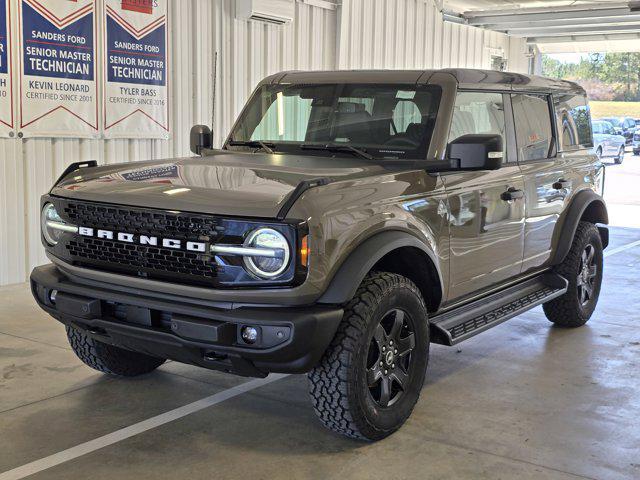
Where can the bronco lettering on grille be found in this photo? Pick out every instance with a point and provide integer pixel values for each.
(190, 246)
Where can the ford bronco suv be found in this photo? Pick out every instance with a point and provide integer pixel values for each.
(350, 219)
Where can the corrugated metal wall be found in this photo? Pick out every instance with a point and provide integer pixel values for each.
(370, 33)
(411, 34)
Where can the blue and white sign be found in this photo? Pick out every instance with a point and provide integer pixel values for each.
(135, 90)
(58, 68)
(6, 84)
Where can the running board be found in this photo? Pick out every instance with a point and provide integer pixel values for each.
(461, 323)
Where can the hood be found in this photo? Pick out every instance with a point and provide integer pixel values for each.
(225, 183)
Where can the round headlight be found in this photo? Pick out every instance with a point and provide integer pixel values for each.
(275, 255)
(48, 217)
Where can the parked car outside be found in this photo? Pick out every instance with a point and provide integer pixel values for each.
(636, 142)
(624, 126)
(606, 142)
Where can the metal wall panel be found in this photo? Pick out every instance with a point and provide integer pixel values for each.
(411, 34)
(361, 34)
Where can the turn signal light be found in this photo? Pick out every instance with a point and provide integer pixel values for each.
(304, 251)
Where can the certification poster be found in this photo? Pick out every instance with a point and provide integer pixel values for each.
(57, 74)
(6, 84)
(135, 51)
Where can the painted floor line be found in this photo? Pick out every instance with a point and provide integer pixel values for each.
(153, 422)
(628, 246)
(135, 429)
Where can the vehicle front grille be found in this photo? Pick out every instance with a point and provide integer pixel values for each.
(145, 260)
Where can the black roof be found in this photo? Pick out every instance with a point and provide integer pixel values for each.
(465, 77)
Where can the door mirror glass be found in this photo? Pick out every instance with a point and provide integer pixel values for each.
(201, 137)
(476, 152)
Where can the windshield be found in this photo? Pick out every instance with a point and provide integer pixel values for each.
(383, 121)
(614, 121)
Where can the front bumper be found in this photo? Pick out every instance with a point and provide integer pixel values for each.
(290, 339)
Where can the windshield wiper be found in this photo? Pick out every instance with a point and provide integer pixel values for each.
(339, 148)
(267, 147)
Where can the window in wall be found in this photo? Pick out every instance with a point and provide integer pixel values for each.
(533, 126)
(574, 121)
(478, 113)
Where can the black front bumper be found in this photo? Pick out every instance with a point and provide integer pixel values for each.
(290, 340)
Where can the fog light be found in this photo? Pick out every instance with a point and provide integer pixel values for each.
(52, 296)
(249, 334)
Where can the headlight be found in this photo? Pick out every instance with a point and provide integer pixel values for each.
(272, 253)
(53, 226)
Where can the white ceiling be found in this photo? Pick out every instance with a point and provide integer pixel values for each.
(471, 5)
(556, 25)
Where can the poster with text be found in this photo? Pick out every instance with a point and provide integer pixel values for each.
(6, 83)
(58, 70)
(135, 90)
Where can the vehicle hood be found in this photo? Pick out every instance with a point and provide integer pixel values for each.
(224, 183)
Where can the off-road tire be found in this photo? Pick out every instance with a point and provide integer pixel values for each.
(339, 393)
(568, 311)
(109, 359)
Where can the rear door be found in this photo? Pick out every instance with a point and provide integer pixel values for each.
(545, 133)
(487, 231)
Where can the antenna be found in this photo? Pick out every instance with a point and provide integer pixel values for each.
(214, 71)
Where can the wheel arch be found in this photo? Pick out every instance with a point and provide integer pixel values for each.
(587, 206)
(392, 251)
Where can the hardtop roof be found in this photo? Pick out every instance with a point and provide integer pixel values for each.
(465, 77)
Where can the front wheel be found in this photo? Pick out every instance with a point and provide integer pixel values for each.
(370, 377)
(620, 156)
(109, 359)
(583, 269)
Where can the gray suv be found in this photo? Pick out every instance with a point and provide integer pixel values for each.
(350, 220)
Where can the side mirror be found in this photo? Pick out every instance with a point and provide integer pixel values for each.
(200, 138)
(476, 152)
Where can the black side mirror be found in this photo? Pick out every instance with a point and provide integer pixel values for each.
(476, 152)
(201, 137)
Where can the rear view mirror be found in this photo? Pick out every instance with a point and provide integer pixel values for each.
(476, 152)
(201, 137)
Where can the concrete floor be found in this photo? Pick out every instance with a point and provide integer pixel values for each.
(524, 400)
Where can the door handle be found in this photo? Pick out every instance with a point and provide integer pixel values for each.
(512, 194)
(562, 184)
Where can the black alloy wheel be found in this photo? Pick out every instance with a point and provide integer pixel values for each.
(389, 358)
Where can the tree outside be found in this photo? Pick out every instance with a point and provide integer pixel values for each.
(612, 80)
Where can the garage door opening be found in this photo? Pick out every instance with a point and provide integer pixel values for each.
(612, 81)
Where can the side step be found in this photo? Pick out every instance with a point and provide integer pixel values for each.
(461, 323)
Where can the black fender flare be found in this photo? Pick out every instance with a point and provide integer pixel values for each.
(586, 205)
(348, 277)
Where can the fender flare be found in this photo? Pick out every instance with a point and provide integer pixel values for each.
(349, 276)
(566, 229)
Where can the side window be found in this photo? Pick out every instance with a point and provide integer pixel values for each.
(574, 121)
(534, 134)
(476, 113)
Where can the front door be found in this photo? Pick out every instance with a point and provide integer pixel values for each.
(486, 227)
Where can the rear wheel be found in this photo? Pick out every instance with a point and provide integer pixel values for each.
(109, 359)
(583, 269)
(370, 377)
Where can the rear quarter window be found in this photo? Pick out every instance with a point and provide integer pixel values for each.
(573, 121)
